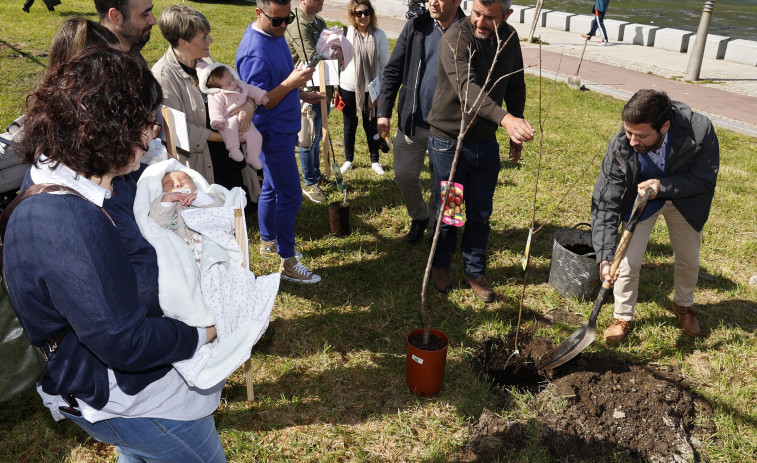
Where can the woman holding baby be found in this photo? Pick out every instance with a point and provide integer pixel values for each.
(82, 279)
(188, 34)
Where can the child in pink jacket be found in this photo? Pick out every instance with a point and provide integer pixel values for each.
(226, 92)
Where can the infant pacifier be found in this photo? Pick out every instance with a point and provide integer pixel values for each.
(185, 189)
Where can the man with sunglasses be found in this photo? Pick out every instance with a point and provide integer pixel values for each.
(302, 36)
(412, 66)
(264, 60)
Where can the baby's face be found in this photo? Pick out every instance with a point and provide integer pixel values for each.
(227, 82)
(179, 182)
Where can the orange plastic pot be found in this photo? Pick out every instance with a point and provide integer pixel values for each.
(424, 371)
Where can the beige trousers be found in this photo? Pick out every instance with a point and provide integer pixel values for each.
(685, 242)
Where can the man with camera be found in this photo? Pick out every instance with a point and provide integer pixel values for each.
(412, 71)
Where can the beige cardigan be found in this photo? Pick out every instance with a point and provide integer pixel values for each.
(180, 93)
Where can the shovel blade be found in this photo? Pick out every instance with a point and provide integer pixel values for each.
(568, 349)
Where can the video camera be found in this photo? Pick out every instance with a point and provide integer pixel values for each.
(415, 8)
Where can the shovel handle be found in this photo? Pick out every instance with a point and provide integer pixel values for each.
(625, 239)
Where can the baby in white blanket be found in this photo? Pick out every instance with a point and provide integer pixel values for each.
(218, 289)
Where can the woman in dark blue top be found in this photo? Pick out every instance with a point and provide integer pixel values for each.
(69, 266)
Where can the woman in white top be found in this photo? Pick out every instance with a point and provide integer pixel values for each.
(371, 55)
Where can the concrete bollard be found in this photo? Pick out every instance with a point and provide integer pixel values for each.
(742, 51)
(672, 39)
(640, 34)
(714, 47)
(558, 20)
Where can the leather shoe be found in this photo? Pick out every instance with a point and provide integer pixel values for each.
(417, 227)
(481, 288)
(688, 321)
(617, 331)
(441, 279)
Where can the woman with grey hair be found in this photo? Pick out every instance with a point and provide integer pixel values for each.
(188, 33)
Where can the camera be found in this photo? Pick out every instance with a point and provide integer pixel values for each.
(415, 8)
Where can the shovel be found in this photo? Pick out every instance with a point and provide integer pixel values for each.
(582, 337)
(574, 82)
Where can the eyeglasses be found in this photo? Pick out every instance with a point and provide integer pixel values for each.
(276, 21)
(156, 127)
(361, 13)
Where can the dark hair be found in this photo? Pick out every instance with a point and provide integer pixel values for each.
(103, 6)
(90, 112)
(266, 4)
(215, 76)
(352, 6)
(76, 34)
(648, 107)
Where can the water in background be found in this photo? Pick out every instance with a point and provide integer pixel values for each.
(732, 18)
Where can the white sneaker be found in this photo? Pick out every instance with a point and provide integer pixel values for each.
(377, 168)
(292, 270)
(346, 166)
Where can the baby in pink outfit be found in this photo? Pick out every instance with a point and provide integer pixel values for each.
(226, 92)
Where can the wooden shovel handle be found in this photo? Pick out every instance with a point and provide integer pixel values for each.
(625, 239)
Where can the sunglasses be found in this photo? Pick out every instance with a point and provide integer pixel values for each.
(276, 22)
(361, 13)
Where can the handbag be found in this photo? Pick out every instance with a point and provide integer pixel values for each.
(23, 364)
(306, 134)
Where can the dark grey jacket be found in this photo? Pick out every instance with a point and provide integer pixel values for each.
(404, 71)
(692, 167)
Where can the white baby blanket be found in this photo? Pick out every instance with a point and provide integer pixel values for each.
(221, 291)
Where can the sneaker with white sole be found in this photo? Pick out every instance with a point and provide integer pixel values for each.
(315, 193)
(292, 270)
(377, 168)
(346, 166)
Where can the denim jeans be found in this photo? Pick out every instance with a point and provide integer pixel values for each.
(310, 158)
(156, 439)
(477, 170)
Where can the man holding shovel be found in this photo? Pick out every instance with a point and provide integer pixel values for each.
(473, 44)
(668, 147)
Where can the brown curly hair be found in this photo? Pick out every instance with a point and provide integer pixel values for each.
(352, 6)
(90, 113)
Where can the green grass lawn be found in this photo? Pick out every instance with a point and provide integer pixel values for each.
(329, 372)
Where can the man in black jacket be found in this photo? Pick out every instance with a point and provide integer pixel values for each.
(464, 64)
(668, 147)
(411, 71)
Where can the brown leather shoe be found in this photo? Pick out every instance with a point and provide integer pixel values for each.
(441, 279)
(481, 289)
(688, 321)
(617, 331)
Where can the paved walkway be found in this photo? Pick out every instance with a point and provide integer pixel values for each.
(729, 96)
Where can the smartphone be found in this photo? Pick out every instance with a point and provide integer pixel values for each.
(315, 59)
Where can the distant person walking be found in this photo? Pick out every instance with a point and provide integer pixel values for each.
(50, 4)
(600, 8)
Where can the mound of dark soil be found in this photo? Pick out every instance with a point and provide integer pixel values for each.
(591, 409)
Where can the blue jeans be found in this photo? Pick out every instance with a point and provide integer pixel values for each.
(281, 194)
(477, 170)
(310, 158)
(155, 439)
